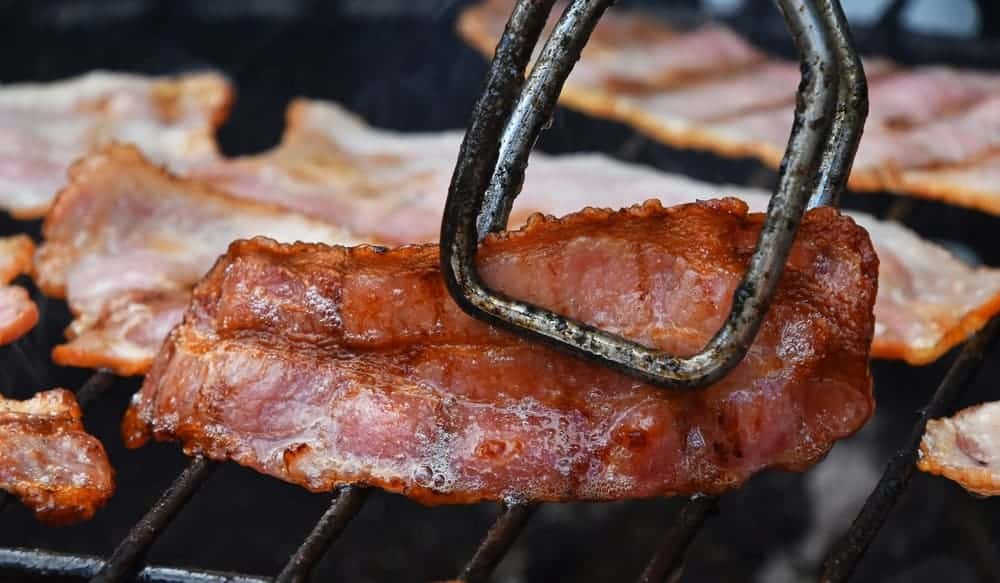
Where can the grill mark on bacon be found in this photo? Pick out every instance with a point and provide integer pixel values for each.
(406, 392)
(49, 461)
(18, 314)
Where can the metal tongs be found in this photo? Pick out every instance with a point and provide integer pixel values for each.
(831, 106)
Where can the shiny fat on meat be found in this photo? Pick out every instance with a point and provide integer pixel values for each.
(49, 461)
(330, 365)
(965, 448)
(18, 313)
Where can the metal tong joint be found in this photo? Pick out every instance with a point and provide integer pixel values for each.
(830, 110)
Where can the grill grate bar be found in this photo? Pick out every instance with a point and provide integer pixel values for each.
(345, 506)
(65, 565)
(130, 552)
(498, 541)
(670, 553)
(95, 386)
(848, 552)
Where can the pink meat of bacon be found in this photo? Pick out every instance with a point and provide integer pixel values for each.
(329, 365)
(392, 186)
(125, 242)
(49, 461)
(18, 313)
(45, 127)
(965, 448)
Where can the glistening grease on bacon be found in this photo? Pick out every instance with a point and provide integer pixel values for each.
(707, 88)
(125, 242)
(45, 127)
(49, 461)
(18, 313)
(965, 448)
(330, 365)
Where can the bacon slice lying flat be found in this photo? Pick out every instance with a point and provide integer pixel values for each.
(45, 127)
(329, 365)
(18, 313)
(49, 461)
(125, 242)
(741, 102)
(392, 186)
(929, 301)
(973, 185)
(965, 448)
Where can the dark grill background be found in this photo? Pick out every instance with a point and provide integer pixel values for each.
(400, 65)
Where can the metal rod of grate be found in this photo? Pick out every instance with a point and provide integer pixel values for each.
(344, 507)
(498, 541)
(64, 565)
(124, 561)
(669, 555)
(848, 552)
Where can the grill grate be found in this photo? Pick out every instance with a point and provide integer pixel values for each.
(127, 561)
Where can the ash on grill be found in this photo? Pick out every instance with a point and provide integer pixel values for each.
(403, 67)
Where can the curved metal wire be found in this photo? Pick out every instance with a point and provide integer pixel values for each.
(831, 96)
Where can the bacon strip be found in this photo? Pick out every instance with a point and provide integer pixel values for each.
(391, 187)
(329, 365)
(965, 448)
(125, 242)
(18, 313)
(49, 461)
(45, 127)
(745, 108)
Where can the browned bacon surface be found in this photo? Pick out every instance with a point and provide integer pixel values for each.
(740, 103)
(49, 461)
(18, 313)
(125, 242)
(329, 365)
(965, 448)
(45, 127)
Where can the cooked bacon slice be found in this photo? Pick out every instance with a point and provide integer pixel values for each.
(392, 186)
(974, 185)
(45, 127)
(330, 365)
(965, 448)
(18, 313)
(125, 242)
(741, 102)
(49, 461)
(628, 53)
